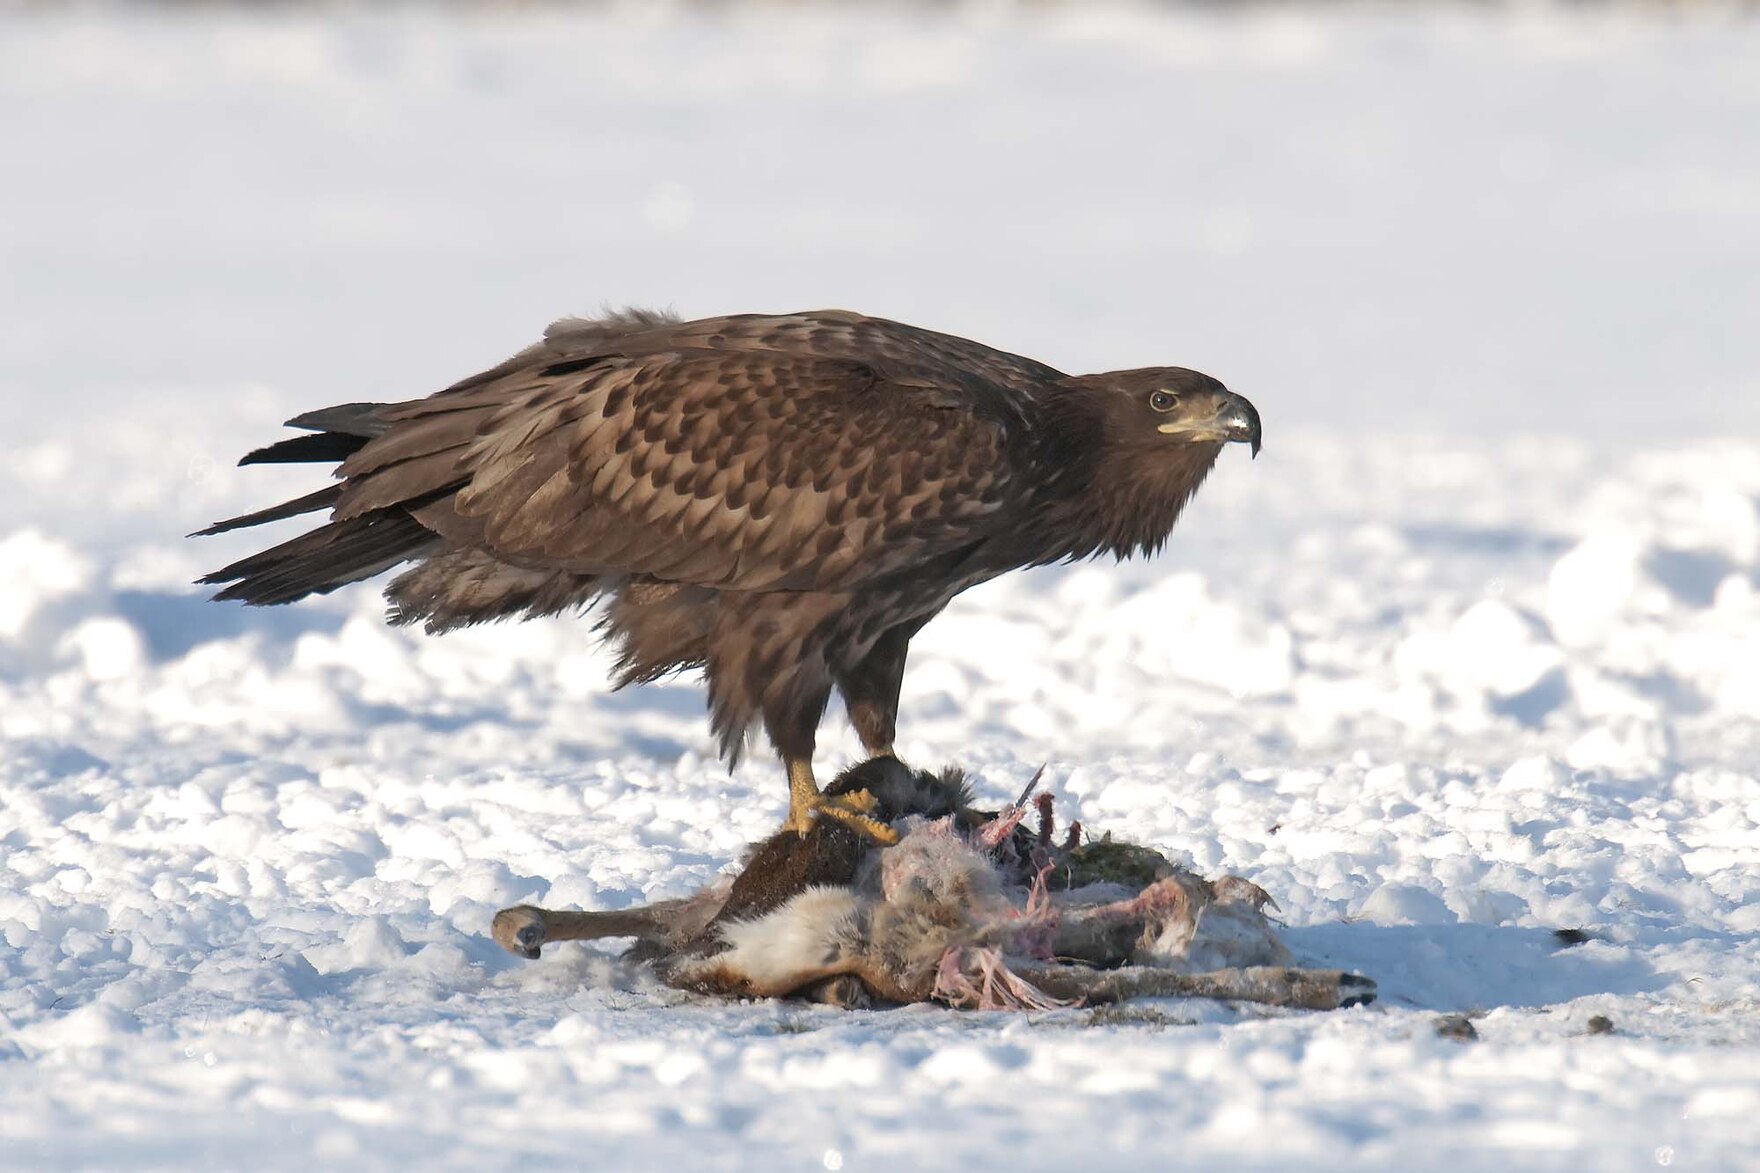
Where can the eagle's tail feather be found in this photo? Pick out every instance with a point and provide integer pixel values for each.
(334, 554)
(328, 557)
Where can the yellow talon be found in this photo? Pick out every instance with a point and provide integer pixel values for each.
(862, 802)
(854, 810)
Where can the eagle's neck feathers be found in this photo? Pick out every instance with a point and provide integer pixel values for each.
(1132, 504)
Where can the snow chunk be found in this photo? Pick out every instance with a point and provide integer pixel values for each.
(107, 648)
(35, 570)
(1628, 749)
(1405, 904)
(1722, 1100)
(92, 1025)
(1538, 774)
(1590, 586)
(961, 1064)
(1723, 520)
(371, 944)
(1183, 631)
(1500, 650)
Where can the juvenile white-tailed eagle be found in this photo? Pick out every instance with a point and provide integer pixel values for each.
(782, 501)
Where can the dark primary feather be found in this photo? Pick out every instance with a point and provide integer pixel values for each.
(342, 430)
(321, 448)
(310, 503)
(781, 500)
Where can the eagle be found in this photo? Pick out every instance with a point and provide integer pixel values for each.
(779, 501)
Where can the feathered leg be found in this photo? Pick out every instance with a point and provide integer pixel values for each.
(870, 688)
(766, 661)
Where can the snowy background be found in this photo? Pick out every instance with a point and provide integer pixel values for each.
(1470, 654)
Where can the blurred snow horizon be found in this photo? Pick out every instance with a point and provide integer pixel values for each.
(1469, 655)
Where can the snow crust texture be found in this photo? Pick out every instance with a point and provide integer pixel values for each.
(1442, 689)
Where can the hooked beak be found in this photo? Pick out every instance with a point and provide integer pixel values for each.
(1234, 421)
(1241, 422)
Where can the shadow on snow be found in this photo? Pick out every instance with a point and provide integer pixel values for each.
(1473, 967)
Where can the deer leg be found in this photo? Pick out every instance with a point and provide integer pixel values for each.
(523, 929)
(1305, 989)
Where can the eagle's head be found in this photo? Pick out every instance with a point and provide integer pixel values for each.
(1139, 443)
(1155, 406)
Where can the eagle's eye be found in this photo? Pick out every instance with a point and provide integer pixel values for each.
(1163, 400)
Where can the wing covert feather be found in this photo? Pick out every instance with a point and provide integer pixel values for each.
(745, 470)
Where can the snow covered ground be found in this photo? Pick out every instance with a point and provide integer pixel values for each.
(1471, 654)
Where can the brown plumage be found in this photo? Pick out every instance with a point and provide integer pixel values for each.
(781, 501)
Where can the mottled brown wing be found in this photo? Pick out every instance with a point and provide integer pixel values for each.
(741, 468)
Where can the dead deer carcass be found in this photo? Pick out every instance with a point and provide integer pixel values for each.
(966, 909)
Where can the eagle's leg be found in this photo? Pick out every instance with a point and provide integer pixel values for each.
(870, 689)
(768, 659)
(855, 810)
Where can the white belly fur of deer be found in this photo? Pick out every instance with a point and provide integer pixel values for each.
(966, 909)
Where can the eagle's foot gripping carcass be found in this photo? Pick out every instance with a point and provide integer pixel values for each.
(967, 909)
(855, 809)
